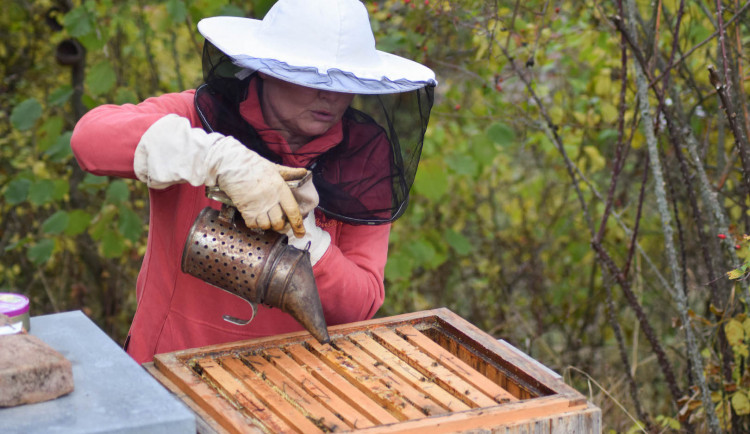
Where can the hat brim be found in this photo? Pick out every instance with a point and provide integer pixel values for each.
(389, 74)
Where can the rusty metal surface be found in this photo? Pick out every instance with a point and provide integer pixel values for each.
(258, 266)
(225, 253)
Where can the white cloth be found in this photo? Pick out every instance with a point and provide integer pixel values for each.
(171, 152)
(316, 240)
(323, 44)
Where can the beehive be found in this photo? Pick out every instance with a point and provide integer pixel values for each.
(429, 371)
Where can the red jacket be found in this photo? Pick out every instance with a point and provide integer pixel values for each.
(177, 311)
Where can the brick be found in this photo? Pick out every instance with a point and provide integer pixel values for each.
(31, 371)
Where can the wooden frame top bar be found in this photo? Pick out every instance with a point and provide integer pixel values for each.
(429, 371)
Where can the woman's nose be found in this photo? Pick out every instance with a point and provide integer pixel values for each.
(329, 95)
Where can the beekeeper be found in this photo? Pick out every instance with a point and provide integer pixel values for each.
(302, 90)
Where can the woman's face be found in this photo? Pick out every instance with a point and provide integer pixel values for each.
(300, 113)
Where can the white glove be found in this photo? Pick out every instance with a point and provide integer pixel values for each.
(171, 152)
(318, 239)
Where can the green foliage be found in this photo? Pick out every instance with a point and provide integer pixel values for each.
(496, 228)
(25, 115)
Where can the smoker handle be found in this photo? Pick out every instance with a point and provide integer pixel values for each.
(242, 322)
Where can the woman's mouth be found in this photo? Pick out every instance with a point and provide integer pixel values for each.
(322, 115)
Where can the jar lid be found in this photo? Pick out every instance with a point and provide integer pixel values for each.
(13, 304)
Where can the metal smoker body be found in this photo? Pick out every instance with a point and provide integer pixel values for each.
(258, 266)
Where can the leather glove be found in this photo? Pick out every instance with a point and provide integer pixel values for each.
(316, 240)
(172, 152)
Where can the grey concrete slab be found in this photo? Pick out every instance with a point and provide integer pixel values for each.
(113, 394)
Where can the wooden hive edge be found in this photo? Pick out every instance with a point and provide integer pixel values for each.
(501, 354)
(484, 418)
(205, 424)
(548, 392)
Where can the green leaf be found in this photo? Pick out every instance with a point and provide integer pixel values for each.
(735, 332)
(125, 96)
(261, 7)
(735, 274)
(101, 78)
(41, 192)
(598, 162)
(17, 191)
(113, 244)
(25, 114)
(103, 222)
(231, 11)
(422, 251)
(118, 191)
(89, 101)
(130, 224)
(92, 42)
(431, 181)
(56, 223)
(60, 96)
(501, 133)
(399, 266)
(177, 11)
(50, 131)
(20, 243)
(607, 135)
(61, 189)
(40, 252)
(78, 22)
(92, 183)
(740, 403)
(458, 242)
(463, 164)
(78, 221)
(61, 150)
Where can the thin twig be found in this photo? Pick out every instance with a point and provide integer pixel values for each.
(591, 379)
(700, 44)
(740, 140)
(678, 293)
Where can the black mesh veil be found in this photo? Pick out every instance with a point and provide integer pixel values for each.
(366, 178)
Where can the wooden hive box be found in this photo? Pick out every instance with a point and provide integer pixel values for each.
(426, 372)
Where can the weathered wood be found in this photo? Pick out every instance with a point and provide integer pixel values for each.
(368, 383)
(200, 392)
(500, 353)
(580, 421)
(481, 418)
(287, 388)
(330, 399)
(268, 397)
(432, 369)
(351, 394)
(419, 398)
(235, 391)
(426, 372)
(407, 373)
(463, 370)
(205, 424)
(494, 373)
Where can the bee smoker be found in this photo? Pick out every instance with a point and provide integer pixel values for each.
(257, 266)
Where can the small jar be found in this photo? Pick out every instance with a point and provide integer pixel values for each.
(15, 307)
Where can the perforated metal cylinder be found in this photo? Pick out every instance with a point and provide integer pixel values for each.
(230, 256)
(259, 266)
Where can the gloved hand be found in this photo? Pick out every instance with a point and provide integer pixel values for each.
(171, 152)
(318, 239)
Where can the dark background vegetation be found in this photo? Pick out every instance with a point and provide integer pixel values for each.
(583, 191)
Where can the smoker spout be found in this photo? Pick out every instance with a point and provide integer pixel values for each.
(292, 288)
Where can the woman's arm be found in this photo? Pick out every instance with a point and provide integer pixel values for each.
(350, 274)
(105, 138)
